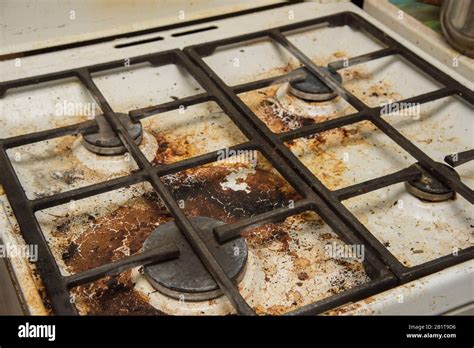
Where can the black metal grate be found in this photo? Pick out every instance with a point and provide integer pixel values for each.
(364, 113)
(314, 195)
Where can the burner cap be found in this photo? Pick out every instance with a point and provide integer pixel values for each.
(311, 88)
(186, 277)
(427, 188)
(106, 142)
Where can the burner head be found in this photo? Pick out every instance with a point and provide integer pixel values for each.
(311, 88)
(186, 278)
(427, 188)
(106, 142)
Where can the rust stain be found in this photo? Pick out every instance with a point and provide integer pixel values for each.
(318, 152)
(272, 310)
(114, 236)
(257, 102)
(123, 231)
(265, 235)
(309, 262)
(110, 238)
(344, 309)
(201, 192)
(172, 149)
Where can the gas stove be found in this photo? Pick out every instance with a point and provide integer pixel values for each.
(302, 159)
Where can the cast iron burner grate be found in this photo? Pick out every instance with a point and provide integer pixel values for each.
(315, 196)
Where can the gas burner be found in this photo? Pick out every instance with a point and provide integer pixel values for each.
(186, 278)
(106, 142)
(428, 188)
(122, 163)
(294, 109)
(311, 88)
(286, 103)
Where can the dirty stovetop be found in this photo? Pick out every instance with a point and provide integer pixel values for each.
(291, 261)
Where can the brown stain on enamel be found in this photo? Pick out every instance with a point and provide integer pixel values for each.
(272, 310)
(264, 235)
(202, 194)
(172, 149)
(317, 151)
(123, 231)
(200, 191)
